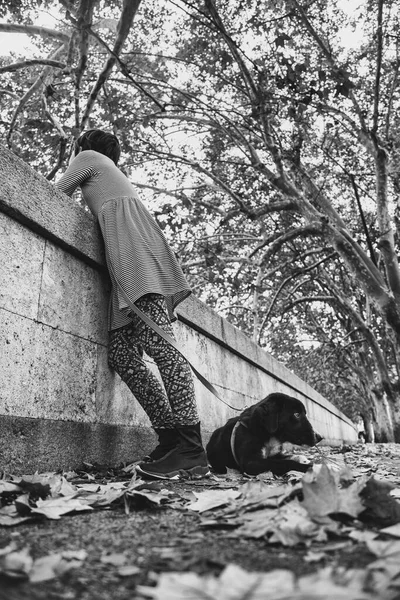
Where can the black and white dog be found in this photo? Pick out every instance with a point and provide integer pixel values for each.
(252, 442)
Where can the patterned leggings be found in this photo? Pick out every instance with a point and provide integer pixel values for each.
(176, 405)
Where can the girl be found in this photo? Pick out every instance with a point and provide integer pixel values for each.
(143, 271)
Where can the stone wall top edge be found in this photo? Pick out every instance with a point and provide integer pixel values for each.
(29, 198)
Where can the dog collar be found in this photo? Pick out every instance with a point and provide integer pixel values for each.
(233, 437)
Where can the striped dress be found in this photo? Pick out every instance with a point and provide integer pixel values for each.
(139, 258)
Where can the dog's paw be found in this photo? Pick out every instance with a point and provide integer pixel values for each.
(300, 458)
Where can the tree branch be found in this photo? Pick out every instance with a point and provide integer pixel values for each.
(128, 12)
(35, 30)
(62, 134)
(363, 327)
(363, 220)
(197, 167)
(285, 282)
(328, 55)
(248, 80)
(83, 24)
(34, 87)
(379, 41)
(34, 61)
(277, 242)
(308, 299)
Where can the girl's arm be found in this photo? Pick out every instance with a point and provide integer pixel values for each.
(76, 174)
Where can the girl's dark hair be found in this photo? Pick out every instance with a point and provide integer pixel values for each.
(100, 141)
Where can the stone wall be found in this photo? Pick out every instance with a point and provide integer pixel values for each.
(60, 404)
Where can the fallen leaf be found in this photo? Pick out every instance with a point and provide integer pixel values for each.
(328, 584)
(55, 565)
(10, 516)
(256, 524)
(255, 494)
(267, 477)
(288, 525)
(313, 557)
(386, 569)
(88, 487)
(233, 474)
(149, 495)
(393, 530)
(100, 498)
(323, 497)
(236, 584)
(54, 508)
(212, 499)
(12, 546)
(114, 558)
(334, 463)
(7, 487)
(379, 506)
(293, 525)
(35, 486)
(333, 546)
(362, 536)
(23, 505)
(166, 552)
(16, 564)
(62, 487)
(128, 570)
(384, 549)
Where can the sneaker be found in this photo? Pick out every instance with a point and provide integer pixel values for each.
(187, 460)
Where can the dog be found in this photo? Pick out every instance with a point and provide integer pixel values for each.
(252, 442)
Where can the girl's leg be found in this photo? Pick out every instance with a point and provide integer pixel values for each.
(124, 356)
(174, 369)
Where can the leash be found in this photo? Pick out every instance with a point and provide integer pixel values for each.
(165, 336)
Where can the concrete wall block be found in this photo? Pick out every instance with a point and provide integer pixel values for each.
(20, 268)
(46, 373)
(73, 296)
(225, 370)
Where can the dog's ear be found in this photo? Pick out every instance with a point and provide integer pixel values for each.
(262, 417)
(268, 415)
(246, 415)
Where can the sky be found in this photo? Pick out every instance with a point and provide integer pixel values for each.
(20, 43)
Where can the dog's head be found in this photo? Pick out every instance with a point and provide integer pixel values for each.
(282, 417)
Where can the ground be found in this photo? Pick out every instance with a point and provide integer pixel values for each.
(129, 543)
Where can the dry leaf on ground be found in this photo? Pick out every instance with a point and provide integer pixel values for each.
(235, 583)
(16, 564)
(20, 564)
(54, 508)
(212, 499)
(55, 565)
(380, 506)
(118, 559)
(323, 496)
